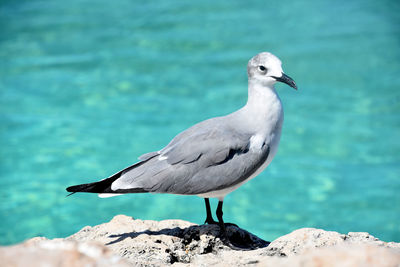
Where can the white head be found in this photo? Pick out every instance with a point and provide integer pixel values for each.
(266, 69)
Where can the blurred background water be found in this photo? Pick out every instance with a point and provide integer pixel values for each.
(88, 86)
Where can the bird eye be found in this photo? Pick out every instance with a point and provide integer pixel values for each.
(262, 68)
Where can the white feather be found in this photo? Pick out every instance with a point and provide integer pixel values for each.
(106, 195)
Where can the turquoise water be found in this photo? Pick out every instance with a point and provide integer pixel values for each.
(86, 87)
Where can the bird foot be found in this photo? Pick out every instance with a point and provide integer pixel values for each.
(231, 224)
(210, 221)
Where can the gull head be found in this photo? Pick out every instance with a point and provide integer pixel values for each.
(266, 69)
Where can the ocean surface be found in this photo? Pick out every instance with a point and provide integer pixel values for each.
(86, 87)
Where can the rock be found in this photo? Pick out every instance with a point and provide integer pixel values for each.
(124, 241)
(164, 242)
(59, 252)
(342, 255)
(309, 238)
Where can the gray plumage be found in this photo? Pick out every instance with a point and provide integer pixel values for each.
(209, 156)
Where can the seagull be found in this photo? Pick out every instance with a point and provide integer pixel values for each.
(216, 156)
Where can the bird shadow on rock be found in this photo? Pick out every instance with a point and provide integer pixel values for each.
(209, 235)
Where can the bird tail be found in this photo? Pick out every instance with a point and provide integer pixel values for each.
(104, 186)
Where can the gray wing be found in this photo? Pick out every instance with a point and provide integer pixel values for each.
(204, 158)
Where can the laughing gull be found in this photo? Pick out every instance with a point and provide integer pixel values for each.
(216, 156)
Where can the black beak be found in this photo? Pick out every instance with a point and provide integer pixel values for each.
(286, 79)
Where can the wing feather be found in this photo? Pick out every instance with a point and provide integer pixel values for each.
(207, 157)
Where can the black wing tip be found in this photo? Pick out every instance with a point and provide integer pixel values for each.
(69, 189)
(77, 188)
(104, 186)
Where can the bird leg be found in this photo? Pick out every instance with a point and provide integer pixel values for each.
(220, 220)
(224, 237)
(209, 219)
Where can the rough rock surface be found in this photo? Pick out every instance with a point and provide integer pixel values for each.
(127, 242)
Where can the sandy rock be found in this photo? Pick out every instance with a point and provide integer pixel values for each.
(179, 242)
(59, 252)
(124, 241)
(310, 238)
(164, 242)
(347, 255)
